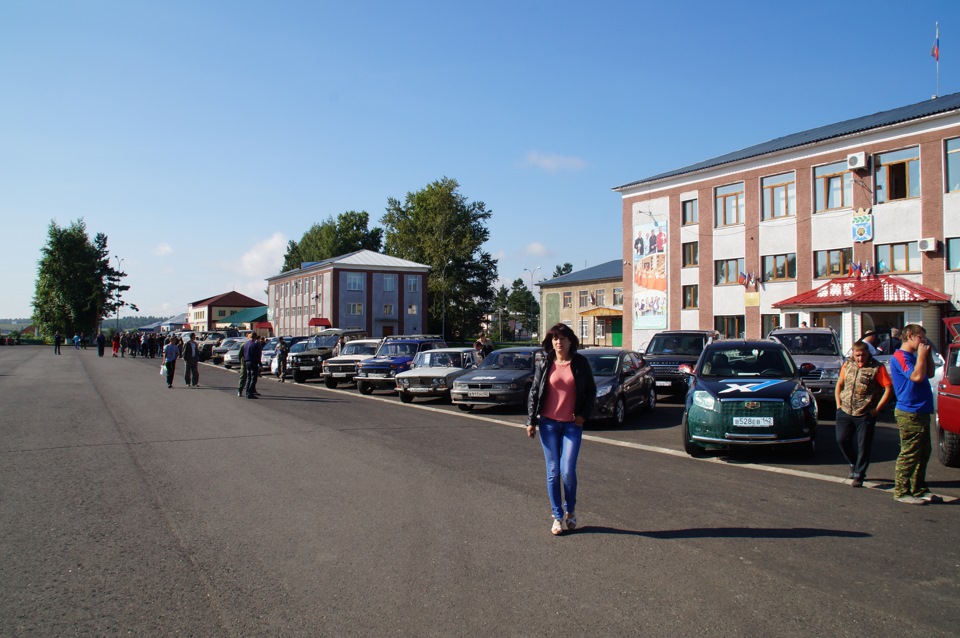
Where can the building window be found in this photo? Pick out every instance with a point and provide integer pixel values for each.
(354, 281)
(895, 258)
(296, 287)
(953, 165)
(601, 296)
(276, 292)
(413, 284)
(727, 271)
(690, 212)
(584, 328)
(953, 253)
(832, 263)
(568, 299)
(221, 313)
(691, 254)
(354, 308)
(600, 329)
(388, 310)
(389, 283)
(730, 326)
(412, 309)
(779, 195)
(618, 296)
(729, 211)
(286, 289)
(833, 186)
(897, 175)
(583, 298)
(691, 297)
(768, 323)
(780, 267)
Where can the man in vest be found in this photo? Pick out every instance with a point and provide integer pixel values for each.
(191, 355)
(863, 389)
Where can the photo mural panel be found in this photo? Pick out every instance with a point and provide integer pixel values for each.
(650, 275)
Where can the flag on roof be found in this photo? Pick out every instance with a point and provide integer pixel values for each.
(935, 51)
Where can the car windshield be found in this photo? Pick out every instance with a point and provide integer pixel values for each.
(272, 343)
(809, 344)
(324, 341)
(359, 349)
(508, 361)
(299, 346)
(603, 365)
(433, 359)
(676, 344)
(397, 349)
(748, 361)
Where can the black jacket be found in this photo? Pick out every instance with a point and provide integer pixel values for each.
(586, 388)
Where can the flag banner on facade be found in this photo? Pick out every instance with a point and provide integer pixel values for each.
(742, 279)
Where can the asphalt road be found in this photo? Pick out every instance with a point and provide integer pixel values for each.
(129, 508)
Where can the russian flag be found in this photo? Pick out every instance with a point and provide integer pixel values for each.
(935, 51)
(742, 280)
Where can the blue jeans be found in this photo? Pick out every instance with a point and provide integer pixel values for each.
(561, 446)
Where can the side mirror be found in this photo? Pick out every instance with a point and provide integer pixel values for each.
(685, 369)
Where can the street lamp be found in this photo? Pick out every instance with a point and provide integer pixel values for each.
(119, 266)
(531, 296)
(443, 277)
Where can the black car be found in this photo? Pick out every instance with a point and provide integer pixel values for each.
(503, 377)
(747, 393)
(624, 381)
(668, 350)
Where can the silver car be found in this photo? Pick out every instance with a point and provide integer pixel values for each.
(434, 371)
(819, 346)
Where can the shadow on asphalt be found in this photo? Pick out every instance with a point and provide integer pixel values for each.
(727, 532)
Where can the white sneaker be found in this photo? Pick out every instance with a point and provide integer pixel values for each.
(571, 520)
(557, 528)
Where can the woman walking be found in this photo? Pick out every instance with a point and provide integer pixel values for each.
(561, 399)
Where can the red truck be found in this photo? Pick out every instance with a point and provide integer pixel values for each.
(948, 399)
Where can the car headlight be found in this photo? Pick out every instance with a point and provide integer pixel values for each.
(799, 399)
(830, 374)
(460, 386)
(404, 382)
(705, 400)
(604, 390)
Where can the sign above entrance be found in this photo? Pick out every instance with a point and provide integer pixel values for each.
(862, 227)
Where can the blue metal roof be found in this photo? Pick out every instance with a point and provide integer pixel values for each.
(916, 111)
(609, 270)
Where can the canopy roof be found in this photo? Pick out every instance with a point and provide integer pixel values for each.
(248, 315)
(853, 291)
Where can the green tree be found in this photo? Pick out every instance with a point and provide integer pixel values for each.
(499, 324)
(560, 271)
(522, 304)
(76, 286)
(347, 233)
(437, 226)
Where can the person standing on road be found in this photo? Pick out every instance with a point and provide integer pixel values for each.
(862, 391)
(282, 350)
(191, 355)
(101, 341)
(115, 343)
(250, 354)
(487, 346)
(560, 401)
(911, 368)
(170, 354)
(57, 340)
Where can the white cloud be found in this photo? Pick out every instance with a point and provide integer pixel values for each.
(536, 249)
(554, 163)
(264, 259)
(162, 250)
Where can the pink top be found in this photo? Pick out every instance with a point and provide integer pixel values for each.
(561, 397)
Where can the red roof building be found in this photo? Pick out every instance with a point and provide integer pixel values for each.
(853, 291)
(204, 314)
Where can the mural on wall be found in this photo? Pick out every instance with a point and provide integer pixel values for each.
(650, 275)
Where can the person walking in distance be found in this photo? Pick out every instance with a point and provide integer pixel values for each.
(191, 355)
(170, 354)
(862, 391)
(251, 354)
(101, 342)
(115, 343)
(57, 340)
(560, 401)
(911, 368)
(282, 351)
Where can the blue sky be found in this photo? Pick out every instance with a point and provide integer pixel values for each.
(202, 136)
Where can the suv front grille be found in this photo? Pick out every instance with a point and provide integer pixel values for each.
(815, 375)
(349, 368)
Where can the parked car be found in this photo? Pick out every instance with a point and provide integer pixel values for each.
(747, 393)
(947, 396)
(231, 357)
(270, 350)
(503, 377)
(207, 341)
(343, 368)
(394, 356)
(299, 346)
(217, 354)
(625, 383)
(434, 372)
(668, 350)
(309, 363)
(821, 347)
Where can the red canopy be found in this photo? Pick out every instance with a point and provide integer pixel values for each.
(321, 322)
(854, 291)
(264, 325)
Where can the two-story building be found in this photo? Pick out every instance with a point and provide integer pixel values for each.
(853, 225)
(204, 315)
(362, 290)
(590, 301)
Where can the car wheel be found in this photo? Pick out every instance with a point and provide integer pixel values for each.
(466, 407)
(330, 383)
(689, 446)
(226, 367)
(619, 412)
(364, 388)
(299, 377)
(651, 403)
(406, 397)
(948, 447)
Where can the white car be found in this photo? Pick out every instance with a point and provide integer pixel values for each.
(300, 346)
(232, 356)
(434, 372)
(343, 367)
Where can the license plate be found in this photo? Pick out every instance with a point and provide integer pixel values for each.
(479, 395)
(418, 389)
(376, 374)
(306, 367)
(663, 383)
(753, 421)
(340, 374)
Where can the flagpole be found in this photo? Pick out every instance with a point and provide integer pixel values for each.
(938, 59)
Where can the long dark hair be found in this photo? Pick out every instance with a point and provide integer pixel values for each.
(559, 330)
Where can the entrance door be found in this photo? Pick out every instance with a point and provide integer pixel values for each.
(387, 331)
(616, 328)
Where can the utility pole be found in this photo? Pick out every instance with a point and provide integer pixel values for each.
(531, 297)
(119, 266)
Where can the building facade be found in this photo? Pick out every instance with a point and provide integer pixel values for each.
(740, 241)
(204, 315)
(363, 290)
(590, 301)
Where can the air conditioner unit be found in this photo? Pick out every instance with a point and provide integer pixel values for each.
(928, 245)
(856, 161)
